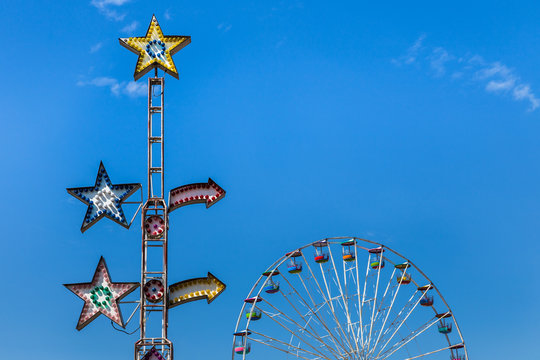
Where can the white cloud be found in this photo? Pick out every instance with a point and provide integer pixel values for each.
(136, 89)
(167, 15)
(100, 81)
(438, 58)
(494, 69)
(224, 27)
(500, 85)
(495, 77)
(523, 92)
(130, 27)
(412, 52)
(106, 8)
(95, 48)
(503, 79)
(117, 88)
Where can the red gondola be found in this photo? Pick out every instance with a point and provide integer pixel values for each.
(321, 251)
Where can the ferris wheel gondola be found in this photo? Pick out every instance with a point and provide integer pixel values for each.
(346, 307)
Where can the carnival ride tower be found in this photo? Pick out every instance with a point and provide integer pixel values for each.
(104, 199)
(155, 228)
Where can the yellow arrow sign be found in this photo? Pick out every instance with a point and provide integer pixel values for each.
(195, 289)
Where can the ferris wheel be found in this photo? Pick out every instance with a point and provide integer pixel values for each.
(346, 298)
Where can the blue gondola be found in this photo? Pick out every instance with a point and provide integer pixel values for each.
(293, 266)
(445, 328)
(426, 300)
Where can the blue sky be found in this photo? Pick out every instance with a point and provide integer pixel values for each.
(413, 125)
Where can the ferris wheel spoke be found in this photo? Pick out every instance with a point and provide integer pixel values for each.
(350, 329)
(320, 290)
(314, 312)
(401, 323)
(409, 338)
(315, 337)
(360, 322)
(294, 335)
(387, 288)
(361, 301)
(332, 337)
(388, 311)
(374, 305)
(364, 301)
(383, 313)
(350, 301)
(283, 343)
(327, 300)
(345, 304)
(402, 311)
(415, 340)
(330, 304)
(331, 307)
(390, 332)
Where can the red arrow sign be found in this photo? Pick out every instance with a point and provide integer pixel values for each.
(209, 193)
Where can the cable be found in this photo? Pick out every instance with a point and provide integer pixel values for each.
(124, 331)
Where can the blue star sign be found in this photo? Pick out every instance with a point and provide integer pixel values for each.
(104, 199)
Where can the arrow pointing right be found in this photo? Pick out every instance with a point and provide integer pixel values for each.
(185, 291)
(209, 193)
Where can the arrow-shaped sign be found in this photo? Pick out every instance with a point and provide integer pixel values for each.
(209, 193)
(195, 289)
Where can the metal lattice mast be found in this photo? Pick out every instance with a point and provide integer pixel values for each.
(154, 211)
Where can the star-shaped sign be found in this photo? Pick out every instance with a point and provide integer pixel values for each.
(153, 354)
(155, 50)
(101, 296)
(104, 199)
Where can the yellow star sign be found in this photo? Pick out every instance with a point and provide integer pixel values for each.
(155, 50)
